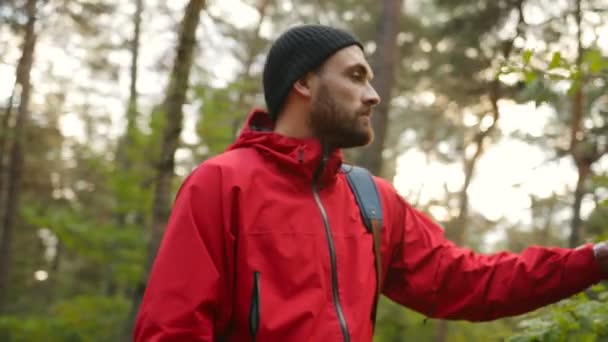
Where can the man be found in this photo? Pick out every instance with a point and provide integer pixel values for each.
(266, 241)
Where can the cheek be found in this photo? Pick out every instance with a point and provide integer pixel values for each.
(348, 106)
(352, 95)
(346, 92)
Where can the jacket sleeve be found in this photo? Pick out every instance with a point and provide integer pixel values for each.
(186, 294)
(431, 275)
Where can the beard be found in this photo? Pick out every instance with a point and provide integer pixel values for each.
(337, 126)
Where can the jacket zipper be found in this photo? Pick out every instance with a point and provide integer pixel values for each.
(254, 311)
(334, 267)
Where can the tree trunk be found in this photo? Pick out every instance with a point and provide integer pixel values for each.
(132, 108)
(5, 137)
(12, 171)
(384, 66)
(246, 76)
(459, 229)
(577, 150)
(579, 193)
(174, 100)
(123, 158)
(5, 142)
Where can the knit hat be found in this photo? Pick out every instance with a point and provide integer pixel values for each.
(296, 52)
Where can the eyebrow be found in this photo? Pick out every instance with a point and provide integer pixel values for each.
(362, 68)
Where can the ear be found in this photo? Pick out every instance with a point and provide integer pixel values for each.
(303, 86)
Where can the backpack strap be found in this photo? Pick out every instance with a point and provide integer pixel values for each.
(364, 188)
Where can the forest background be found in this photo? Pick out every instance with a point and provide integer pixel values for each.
(494, 121)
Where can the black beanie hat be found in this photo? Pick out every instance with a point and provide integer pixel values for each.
(296, 52)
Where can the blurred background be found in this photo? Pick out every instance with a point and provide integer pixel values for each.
(494, 121)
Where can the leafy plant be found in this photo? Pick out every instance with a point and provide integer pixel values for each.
(583, 317)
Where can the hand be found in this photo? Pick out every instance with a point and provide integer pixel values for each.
(600, 251)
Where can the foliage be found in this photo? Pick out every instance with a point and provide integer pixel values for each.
(541, 71)
(396, 323)
(580, 318)
(220, 118)
(79, 319)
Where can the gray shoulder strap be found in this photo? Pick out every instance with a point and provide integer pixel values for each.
(364, 188)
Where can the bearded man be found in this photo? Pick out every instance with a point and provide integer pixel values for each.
(266, 241)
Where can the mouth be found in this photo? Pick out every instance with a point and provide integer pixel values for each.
(366, 113)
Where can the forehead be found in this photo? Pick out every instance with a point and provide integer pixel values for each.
(344, 58)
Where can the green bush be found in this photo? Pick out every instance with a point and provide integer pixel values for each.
(81, 319)
(581, 318)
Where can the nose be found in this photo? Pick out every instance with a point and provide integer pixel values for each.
(370, 96)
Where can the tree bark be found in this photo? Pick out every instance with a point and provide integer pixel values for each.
(132, 108)
(384, 66)
(5, 142)
(577, 150)
(459, 230)
(12, 171)
(470, 165)
(123, 159)
(174, 100)
(579, 193)
(5, 137)
(252, 52)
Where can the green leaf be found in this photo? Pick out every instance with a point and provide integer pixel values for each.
(594, 60)
(530, 76)
(527, 56)
(556, 60)
(598, 288)
(574, 87)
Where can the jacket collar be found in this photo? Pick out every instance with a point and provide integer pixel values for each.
(301, 156)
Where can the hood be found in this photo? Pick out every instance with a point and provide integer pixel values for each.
(300, 156)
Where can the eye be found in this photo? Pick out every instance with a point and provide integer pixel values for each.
(357, 76)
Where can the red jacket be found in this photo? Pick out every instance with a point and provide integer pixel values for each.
(246, 254)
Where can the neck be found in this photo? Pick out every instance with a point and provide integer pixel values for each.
(293, 124)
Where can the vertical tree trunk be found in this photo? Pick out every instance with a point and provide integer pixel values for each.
(458, 231)
(5, 142)
(123, 159)
(384, 66)
(579, 193)
(133, 94)
(545, 230)
(252, 52)
(5, 134)
(494, 92)
(176, 97)
(12, 171)
(460, 228)
(174, 100)
(577, 149)
(132, 108)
